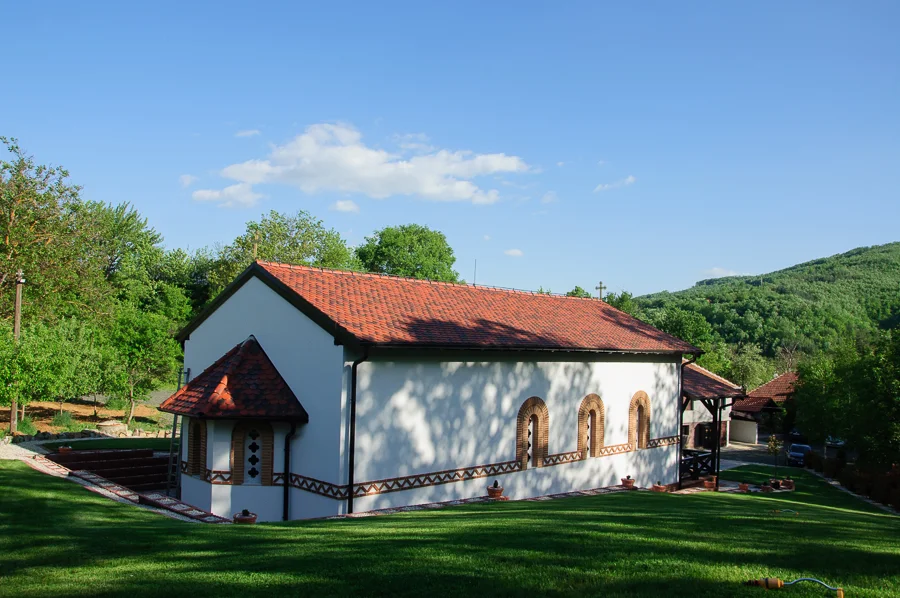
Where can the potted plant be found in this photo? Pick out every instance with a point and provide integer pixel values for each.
(64, 449)
(495, 490)
(628, 482)
(744, 486)
(710, 484)
(658, 487)
(787, 484)
(245, 517)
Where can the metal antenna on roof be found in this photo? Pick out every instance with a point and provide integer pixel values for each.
(600, 288)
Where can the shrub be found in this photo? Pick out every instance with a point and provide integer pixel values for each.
(26, 426)
(847, 478)
(881, 489)
(63, 419)
(895, 498)
(832, 467)
(813, 460)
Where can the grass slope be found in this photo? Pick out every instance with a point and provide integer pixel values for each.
(59, 539)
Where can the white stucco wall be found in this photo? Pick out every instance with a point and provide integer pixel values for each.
(312, 366)
(432, 412)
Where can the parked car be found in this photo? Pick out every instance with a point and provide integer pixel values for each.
(797, 436)
(834, 442)
(797, 454)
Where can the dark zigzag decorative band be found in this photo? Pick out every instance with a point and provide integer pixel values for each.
(449, 476)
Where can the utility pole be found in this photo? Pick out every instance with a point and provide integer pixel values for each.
(17, 328)
(600, 288)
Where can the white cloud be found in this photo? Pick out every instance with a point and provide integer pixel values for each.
(414, 142)
(345, 205)
(550, 197)
(717, 272)
(240, 195)
(187, 180)
(487, 237)
(333, 158)
(629, 180)
(247, 133)
(601, 162)
(560, 164)
(514, 252)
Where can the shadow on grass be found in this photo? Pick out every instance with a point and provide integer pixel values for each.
(60, 539)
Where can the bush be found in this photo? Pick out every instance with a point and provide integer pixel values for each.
(63, 419)
(26, 426)
(895, 498)
(813, 460)
(832, 467)
(847, 478)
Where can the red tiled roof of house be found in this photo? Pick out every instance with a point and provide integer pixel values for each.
(700, 383)
(777, 389)
(753, 404)
(243, 383)
(383, 310)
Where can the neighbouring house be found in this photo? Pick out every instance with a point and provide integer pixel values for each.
(697, 427)
(324, 392)
(760, 405)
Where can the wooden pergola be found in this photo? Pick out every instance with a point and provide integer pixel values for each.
(715, 394)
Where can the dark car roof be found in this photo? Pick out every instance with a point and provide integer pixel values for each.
(800, 447)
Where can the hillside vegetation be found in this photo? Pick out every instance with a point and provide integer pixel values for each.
(811, 306)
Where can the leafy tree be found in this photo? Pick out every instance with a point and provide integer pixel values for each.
(748, 367)
(543, 291)
(693, 328)
(774, 447)
(579, 292)
(42, 233)
(296, 239)
(624, 301)
(146, 353)
(409, 250)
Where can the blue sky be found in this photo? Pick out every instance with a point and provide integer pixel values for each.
(558, 144)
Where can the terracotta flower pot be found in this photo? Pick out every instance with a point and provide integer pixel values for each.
(495, 492)
(628, 482)
(658, 488)
(245, 517)
(64, 449)
(709, 484)
(744, 487)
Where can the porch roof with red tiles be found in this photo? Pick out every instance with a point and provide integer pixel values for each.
(242, 384)
(700, 383)
(388, 311)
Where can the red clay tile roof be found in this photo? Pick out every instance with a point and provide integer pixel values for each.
(700, 383)
(374, 309)
(778, 389)
(243, 383)
(754, 404)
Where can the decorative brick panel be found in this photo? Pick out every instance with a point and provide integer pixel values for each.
(222, 478)
(435, 478)
(561, 458)
(534, 407)
(197, 448)
(639, 431)
(266, 440)
(664, 441)
(591, 412)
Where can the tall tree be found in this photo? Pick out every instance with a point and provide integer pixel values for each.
(579, 292)
(295, 239)
(146, 354)
(409, 250)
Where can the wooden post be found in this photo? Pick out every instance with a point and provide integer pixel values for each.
(17, 328)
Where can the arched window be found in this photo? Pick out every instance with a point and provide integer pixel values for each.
(639, 420)
(591, 426)
(197, 448)
(252, 450)
(532, 428)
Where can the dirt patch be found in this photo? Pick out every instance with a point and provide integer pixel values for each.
(83, 411)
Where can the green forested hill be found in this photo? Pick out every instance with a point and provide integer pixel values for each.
(809, 306)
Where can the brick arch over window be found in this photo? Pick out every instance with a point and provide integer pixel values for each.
(533, 408)
(639, 420)
(591, 415)
(196, 461)
(266, 441)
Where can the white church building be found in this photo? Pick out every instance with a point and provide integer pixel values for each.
(326, 392)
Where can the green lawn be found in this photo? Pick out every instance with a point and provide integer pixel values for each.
(59, 539)
(157, 444)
